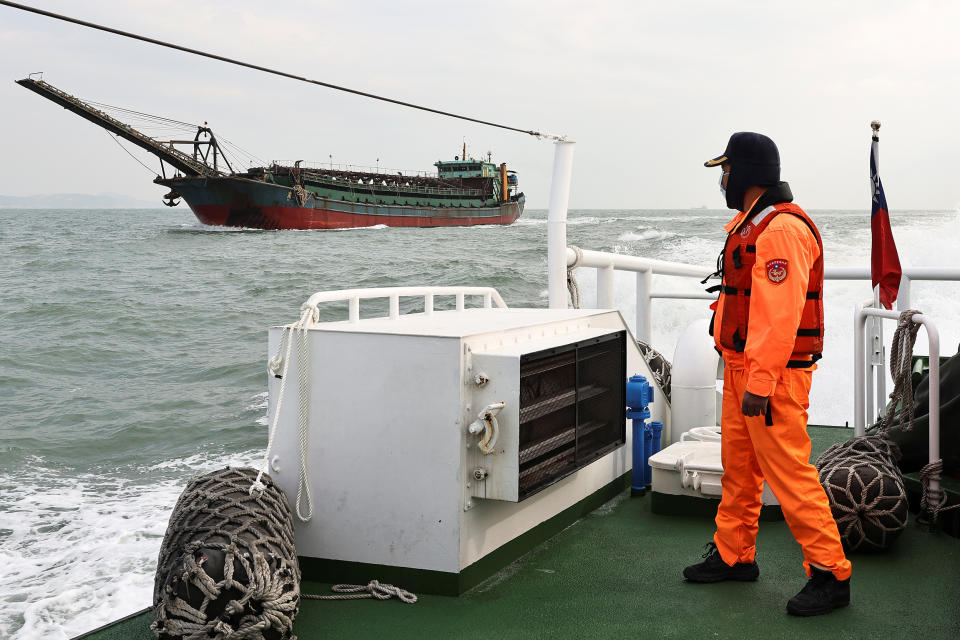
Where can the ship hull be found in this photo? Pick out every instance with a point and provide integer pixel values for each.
(241, 202)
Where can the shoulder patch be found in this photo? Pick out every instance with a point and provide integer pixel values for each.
(777, 270)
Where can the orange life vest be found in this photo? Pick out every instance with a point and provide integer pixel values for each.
(739, 256)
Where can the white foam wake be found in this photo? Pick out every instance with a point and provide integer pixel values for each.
(571, 221)
(80, 551)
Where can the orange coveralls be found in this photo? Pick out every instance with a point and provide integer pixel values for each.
(752, 451)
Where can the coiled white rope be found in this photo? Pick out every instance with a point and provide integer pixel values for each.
(360, 591)
(279, 366)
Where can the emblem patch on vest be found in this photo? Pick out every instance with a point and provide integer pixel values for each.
(777, 270)
(745, 231)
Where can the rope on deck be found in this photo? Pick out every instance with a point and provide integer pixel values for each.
(373, 589)
(933, 503)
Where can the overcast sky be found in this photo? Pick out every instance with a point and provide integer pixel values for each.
(648, 90)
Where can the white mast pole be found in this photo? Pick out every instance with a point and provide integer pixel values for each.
(557, 224)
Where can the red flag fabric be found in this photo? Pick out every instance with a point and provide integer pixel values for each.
(884, 260)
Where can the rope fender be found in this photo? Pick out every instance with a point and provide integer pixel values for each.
(228, 567)
(865, 488)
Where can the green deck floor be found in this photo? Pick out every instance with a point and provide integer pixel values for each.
(616, 574)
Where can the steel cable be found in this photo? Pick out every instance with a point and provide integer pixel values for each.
(249, 65)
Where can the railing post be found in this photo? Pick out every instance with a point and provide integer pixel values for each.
(871, 329)
(933, 440)
(605, 287)
(881, 373)
(869, 369)
(644, 317)
(557, 225)
(859, 364)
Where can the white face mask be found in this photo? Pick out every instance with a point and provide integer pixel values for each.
(720, 182)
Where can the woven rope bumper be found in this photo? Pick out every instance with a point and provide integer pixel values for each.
(228, 567)
(866, 491)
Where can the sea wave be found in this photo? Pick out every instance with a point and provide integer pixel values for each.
(571, 221)
(645, 235)
(80, 548)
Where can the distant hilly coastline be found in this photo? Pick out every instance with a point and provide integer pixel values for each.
(76, 201)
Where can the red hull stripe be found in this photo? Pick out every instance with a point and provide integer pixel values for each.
(307, 218)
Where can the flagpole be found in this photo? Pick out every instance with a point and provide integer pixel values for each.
(875, 125)
(875, 360)
(903, 295)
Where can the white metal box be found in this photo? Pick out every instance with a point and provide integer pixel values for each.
(390, 461)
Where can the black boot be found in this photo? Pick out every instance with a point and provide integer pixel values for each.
(714, 569)
(823, 594)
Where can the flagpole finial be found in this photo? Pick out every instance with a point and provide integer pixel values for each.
(875, 125)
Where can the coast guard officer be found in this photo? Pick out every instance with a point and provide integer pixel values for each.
(768, 326)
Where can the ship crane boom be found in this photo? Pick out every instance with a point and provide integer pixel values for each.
(189, 165)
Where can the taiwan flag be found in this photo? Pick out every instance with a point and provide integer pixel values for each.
(884, 261)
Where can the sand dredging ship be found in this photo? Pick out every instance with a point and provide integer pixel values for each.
(464, 192)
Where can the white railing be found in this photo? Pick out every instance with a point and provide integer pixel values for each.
(871, 395)
(352, 297)
(859, 371)
(607, 264)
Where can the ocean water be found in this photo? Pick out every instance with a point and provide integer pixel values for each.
(133, 351)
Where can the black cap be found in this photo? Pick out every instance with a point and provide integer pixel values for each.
(754, 161)
(749, 148)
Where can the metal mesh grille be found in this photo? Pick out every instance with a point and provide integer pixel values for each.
(571, 408)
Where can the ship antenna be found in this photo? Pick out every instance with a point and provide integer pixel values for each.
(257, 67)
